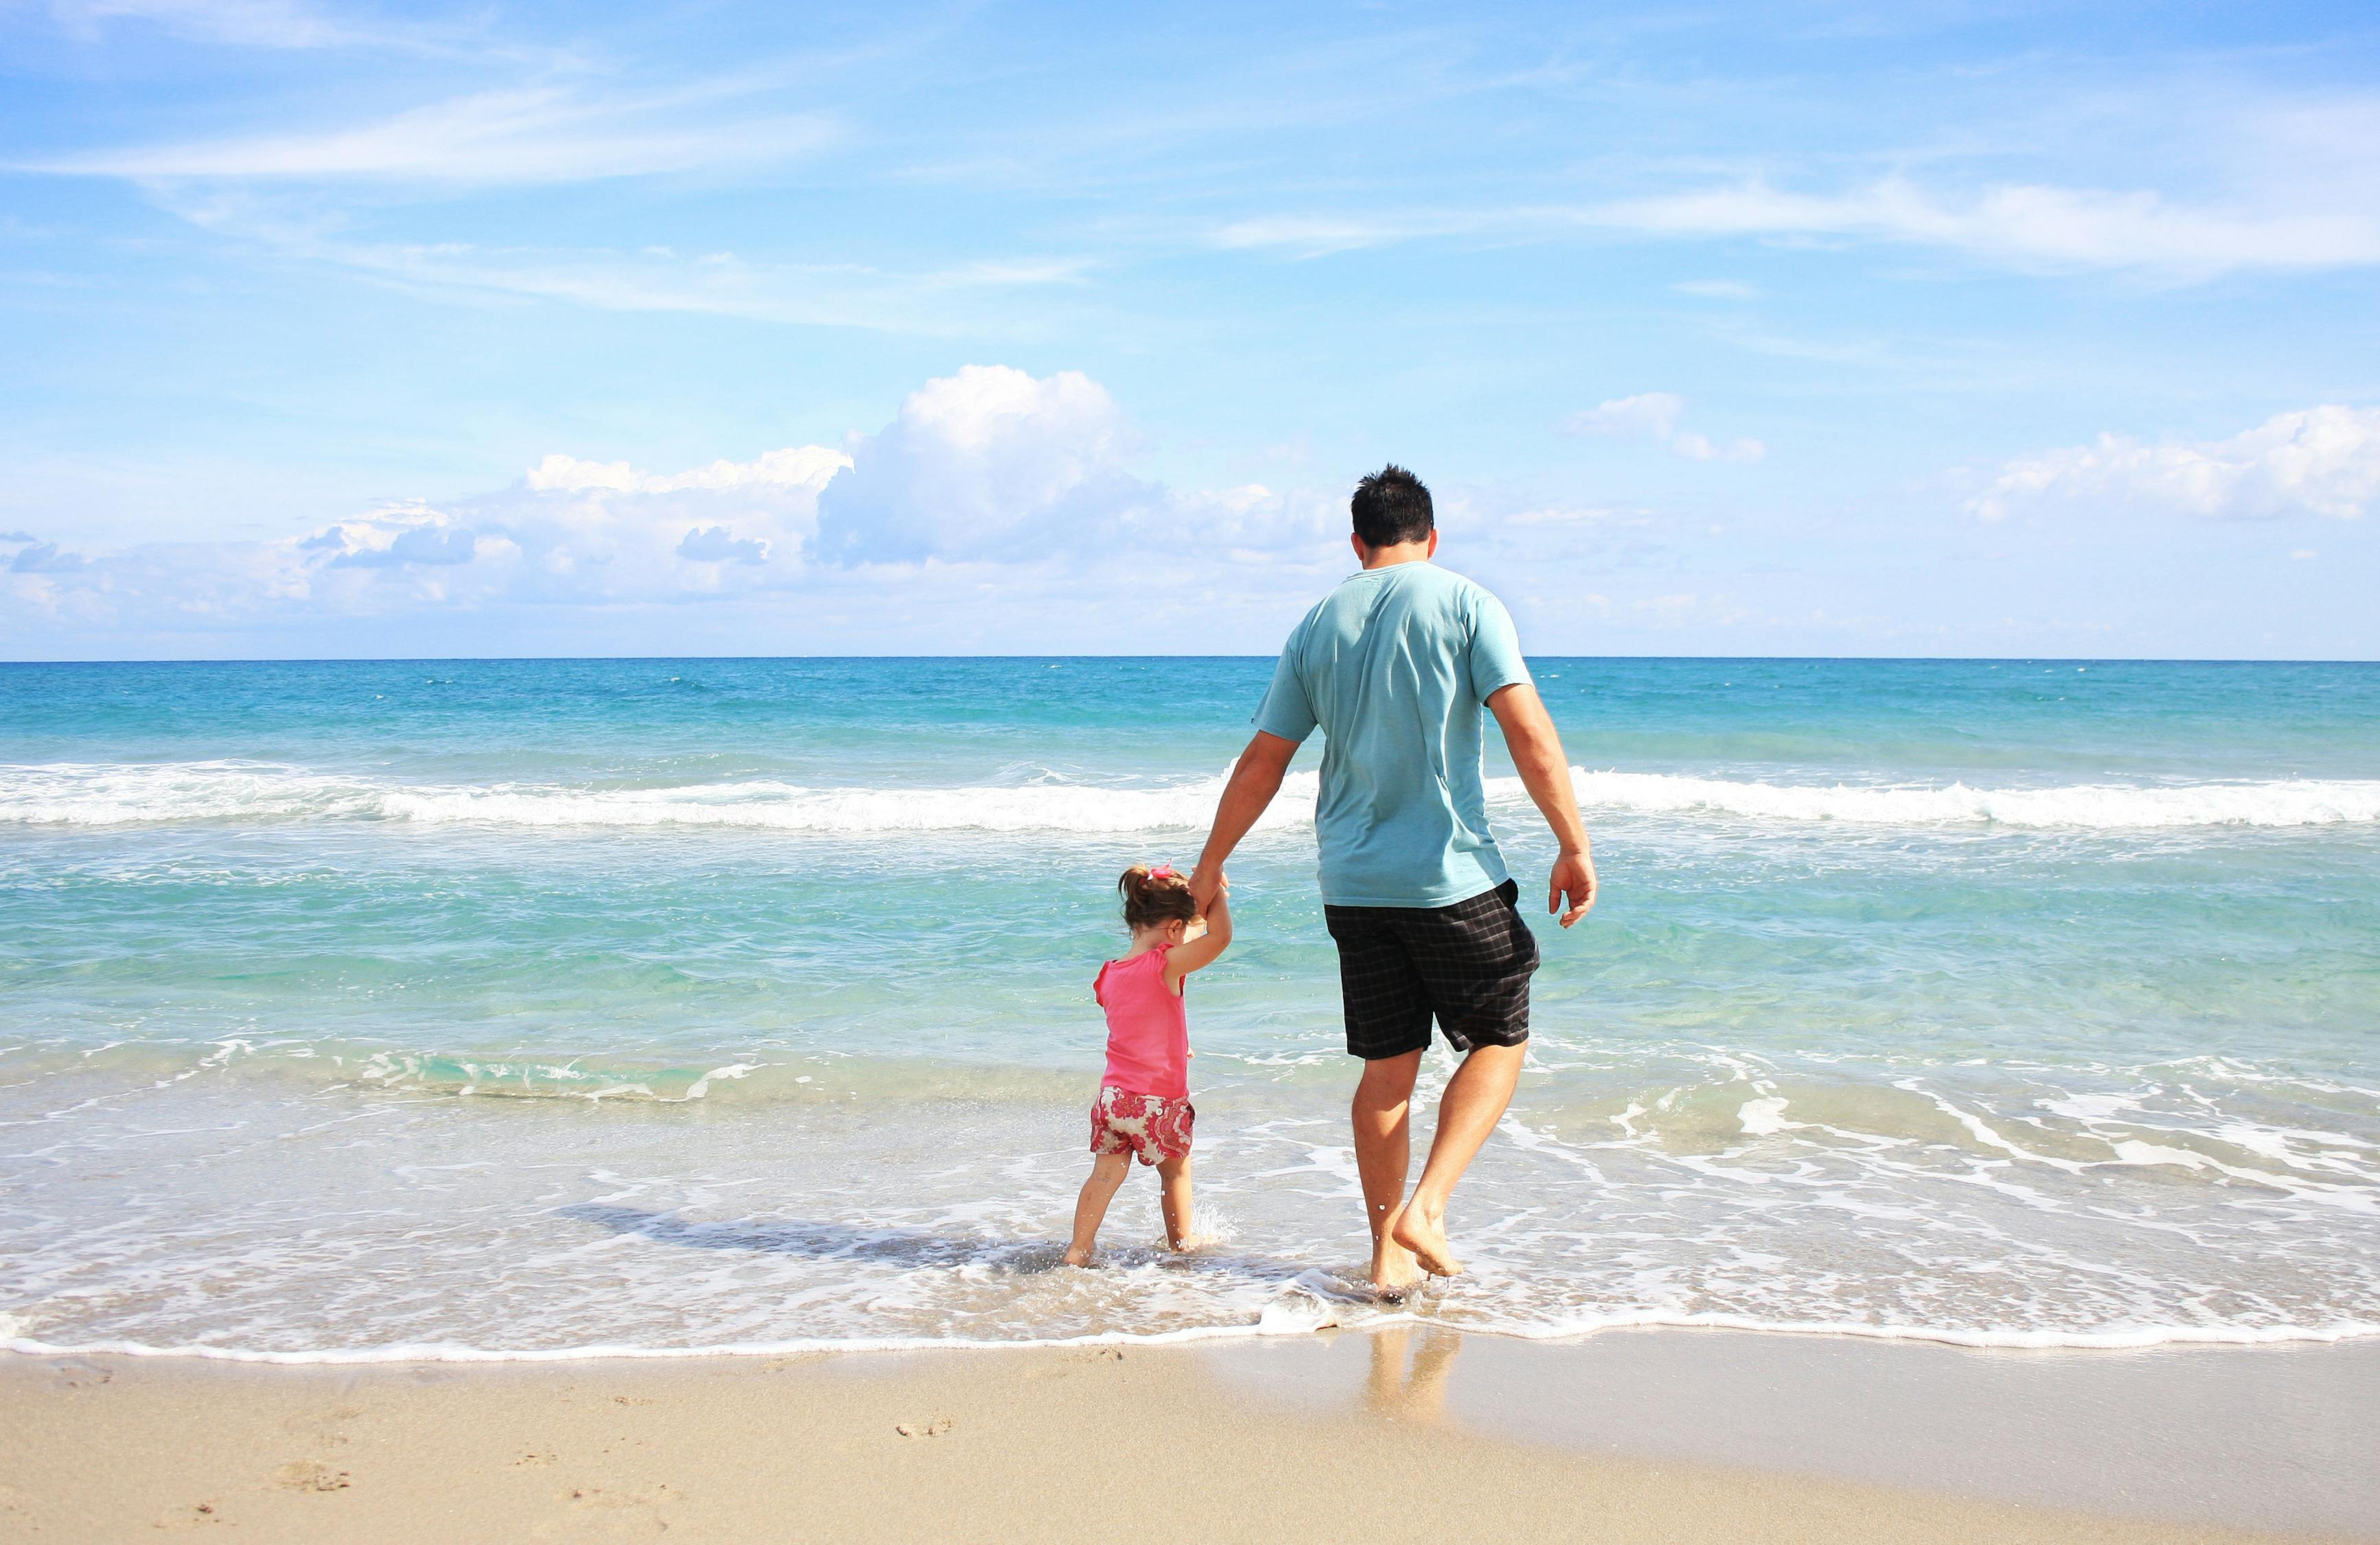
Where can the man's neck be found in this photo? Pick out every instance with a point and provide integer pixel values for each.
(1403, 553)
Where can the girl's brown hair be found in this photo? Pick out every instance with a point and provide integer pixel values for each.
(1154, 896)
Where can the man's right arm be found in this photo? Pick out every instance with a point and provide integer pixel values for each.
(1255, 778)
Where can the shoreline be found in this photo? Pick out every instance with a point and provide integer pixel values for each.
(1650, 1434)
(2174, 1338)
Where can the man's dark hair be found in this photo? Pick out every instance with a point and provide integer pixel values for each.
(1391, 506)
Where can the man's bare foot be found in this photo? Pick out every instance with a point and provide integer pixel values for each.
(1079, 1257)
(1425, 1236)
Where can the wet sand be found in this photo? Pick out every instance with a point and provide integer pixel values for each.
(1403, 1434)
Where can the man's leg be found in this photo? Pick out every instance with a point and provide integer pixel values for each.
(1382, 1115)
(1475, 1103)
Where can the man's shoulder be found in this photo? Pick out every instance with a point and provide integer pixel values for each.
(1456, 593)
(1414, 593)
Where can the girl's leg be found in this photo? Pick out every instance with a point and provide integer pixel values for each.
(1173, 1177)
(1107, 1171)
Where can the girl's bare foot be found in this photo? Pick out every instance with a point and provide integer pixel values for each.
(1393, 1272)
(1079, 1257)
(1424, 1234)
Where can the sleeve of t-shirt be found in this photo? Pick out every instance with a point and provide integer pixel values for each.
(1496, 661)
(1286, 710)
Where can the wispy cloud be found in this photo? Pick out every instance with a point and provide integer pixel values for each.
(2034, 226)
(1716, 289)
(1653, 417)
(2322, 461)
(247, 23)
(808, 466)
(938, 303)
(2028, 225)
(521, 135)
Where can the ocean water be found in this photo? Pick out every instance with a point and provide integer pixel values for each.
(526, 1008)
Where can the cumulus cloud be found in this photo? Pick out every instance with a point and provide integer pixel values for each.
(986, 463)
(45, 557)
(717, 544)
(1653, 417)
(380, 544)
(2322, 461)
(990, 488)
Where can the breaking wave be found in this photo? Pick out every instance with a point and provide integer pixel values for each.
(254, 792)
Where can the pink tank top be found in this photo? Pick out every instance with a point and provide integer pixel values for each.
(1149, 1027)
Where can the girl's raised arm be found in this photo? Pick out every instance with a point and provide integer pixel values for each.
(1182, 959)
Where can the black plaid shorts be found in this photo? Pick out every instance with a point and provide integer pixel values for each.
(1468, 965)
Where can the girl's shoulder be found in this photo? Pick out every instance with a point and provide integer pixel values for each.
(1126, 962)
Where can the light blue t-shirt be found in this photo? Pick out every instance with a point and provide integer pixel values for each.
(1395, 665)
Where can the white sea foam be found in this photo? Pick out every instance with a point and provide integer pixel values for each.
(1295, 1313)
(2287, 802)
(334, 1240)
(73, 795)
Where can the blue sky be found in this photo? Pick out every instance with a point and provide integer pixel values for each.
(1835, 329)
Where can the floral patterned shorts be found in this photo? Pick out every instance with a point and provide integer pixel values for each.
(1146, 1124)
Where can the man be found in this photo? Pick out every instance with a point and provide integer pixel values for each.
(1394, 666)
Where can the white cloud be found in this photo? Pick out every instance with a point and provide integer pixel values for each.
(432, 540)
(254, 23)
(2025, 226)
(988, 486)
(1716, 289)
(1653, 416)
(1646, 416)
(717, 544)
(1319, 235)
(524, 135)
(799, 465)
(2028, 225)
(2321, 461)
(987, 462)
(946, 300)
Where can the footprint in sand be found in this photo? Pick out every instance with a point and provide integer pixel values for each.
(326, 1427)
(934, 1429)
(617, 1514)
(192, 1517)
(305, 1474)
(77, 1375)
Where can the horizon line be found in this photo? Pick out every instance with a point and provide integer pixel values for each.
(738, 659)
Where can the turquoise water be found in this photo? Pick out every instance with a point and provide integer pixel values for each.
(525, 1007)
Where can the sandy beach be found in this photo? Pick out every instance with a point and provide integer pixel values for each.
(1406, 1433)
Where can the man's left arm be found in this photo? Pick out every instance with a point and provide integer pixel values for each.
(1545, 772)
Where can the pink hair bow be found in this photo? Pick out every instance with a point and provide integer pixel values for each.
(1162, 872)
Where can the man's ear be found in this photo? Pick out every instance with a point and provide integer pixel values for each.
(1363, 553)
(1433, 541)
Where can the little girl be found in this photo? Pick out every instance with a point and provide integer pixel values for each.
(1143, 1104)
